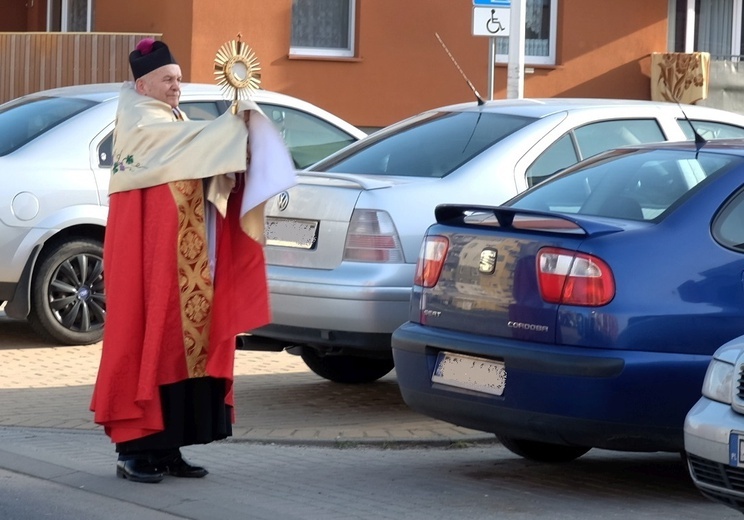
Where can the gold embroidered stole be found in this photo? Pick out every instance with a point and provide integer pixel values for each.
(194, 277)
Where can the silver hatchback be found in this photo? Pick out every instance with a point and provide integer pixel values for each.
(343, 243)
(55, 161)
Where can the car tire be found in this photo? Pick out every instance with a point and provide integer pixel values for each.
(542, 451)
(68, 303)
(344, 368)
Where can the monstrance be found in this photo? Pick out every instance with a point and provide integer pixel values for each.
(237, 71)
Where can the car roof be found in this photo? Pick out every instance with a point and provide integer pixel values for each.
(104, 91)
(541, 107)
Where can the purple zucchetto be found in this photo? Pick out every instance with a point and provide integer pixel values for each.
(149, 55)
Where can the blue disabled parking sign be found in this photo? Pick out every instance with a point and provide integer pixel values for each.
(492, 3)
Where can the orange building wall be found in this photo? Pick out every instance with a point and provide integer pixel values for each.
(172, 19)
(13, 15)
(401, 67)
(603, 50)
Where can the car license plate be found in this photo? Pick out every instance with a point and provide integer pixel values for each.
(736, 449)
(286, 232)
(471, 373)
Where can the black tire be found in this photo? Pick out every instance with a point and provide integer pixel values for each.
(542, 451)
(345, 368)
(68, 303)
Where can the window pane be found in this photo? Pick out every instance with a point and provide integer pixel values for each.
(432, 145)
(680, 25)
(598, 137)
(308, 138)
(77, 15)
(711, 130)
(713, 27)
(537, 35)
(106, 152)
(320, 23)
(558, 156)
(55, 15)
(728, 228)
(23, 121)
(741, 37)
(202, 110)
(629, 184)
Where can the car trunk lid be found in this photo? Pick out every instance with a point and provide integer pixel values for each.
(489, 282)
(309, 225)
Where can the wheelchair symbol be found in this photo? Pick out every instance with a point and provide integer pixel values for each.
(493, 25)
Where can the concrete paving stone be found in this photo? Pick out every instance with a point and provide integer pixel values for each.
(281, 407)
(277, 398)
(312, 483)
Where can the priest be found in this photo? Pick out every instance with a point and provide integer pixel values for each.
(184, 267)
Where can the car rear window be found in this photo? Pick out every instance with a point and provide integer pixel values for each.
(26, 119)
(432, 145)
(629, 184)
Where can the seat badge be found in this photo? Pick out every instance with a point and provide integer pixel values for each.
(487, 263)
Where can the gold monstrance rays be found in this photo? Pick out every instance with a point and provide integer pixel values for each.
(236, 70)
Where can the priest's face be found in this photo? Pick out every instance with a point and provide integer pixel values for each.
(163, 84)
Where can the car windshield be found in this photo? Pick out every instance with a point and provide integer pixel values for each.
(630, 184)
(26, 119)
(432, 145)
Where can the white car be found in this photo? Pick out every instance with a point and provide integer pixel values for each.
(55, 162)
(343, 243)
(714, 429)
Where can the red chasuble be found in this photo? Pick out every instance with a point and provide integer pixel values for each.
(168, 318)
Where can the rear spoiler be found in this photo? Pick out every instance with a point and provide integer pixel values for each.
(352, 180)
(506, 217)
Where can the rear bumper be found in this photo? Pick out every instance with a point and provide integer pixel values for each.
(353, 309)
(622, 400)
(355, 306)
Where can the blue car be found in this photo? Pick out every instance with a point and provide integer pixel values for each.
(584, 312)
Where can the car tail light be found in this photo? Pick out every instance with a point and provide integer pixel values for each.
(572, 278)
(430, 261)
(372, 238)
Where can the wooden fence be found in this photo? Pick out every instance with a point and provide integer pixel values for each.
(35, 61)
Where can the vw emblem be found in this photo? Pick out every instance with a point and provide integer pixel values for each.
(283, 200)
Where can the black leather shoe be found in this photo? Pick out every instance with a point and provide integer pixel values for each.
(138, 470)
(178, 467)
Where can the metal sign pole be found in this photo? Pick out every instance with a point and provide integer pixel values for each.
(491, 18)
(491, 66)
(515, 67)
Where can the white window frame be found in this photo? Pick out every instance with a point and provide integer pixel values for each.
(65, 5)
(736, 27)
(541, 60)
(329, 52)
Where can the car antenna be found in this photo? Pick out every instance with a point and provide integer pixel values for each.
(699, 139)
(478, 96)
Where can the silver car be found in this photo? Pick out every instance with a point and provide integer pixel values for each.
(55, 161)
(342, 245)
(714, 429)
